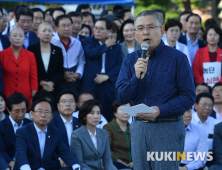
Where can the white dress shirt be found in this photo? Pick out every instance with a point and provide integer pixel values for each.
(195, 141)
(208, 126)
(26, 42)
(12, 24)
(94, 139)
(45, 59)
(181, 47)
(192, 48)
(69, 128)
(218, 115)
(102, 119)
(1, 47)
(103, 70)
(74, 56)
(164, 37)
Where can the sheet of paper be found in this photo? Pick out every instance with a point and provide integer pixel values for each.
(140, 108)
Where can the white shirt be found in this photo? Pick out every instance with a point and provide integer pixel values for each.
(14, 124)
(208, 126)
(74, 56)
(94, 139)
(130, 50)
(102, 119)
(218, 115)
(12, 24)
(45, 59)
(181, 47)
(103, 60)
(192, 48)
(1, 47)
(69, 128)
(164, 37)
(26, 42)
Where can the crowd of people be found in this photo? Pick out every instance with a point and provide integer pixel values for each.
(58, 71)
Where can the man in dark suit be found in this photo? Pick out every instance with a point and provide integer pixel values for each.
(217, 147)
(24, 18)
(4, 42)
(193, 25)
(37, 142)
(17, 105)
(64, 121)
(103, 62)
(77, 19)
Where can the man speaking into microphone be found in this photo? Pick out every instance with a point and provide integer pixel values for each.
(163, 81)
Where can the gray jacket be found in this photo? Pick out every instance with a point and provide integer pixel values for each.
(124, 48)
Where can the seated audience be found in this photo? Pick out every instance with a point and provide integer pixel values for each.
(195, 141)
(211, 53)
(119, 136)
(4, 42)
(77, 25)
(17, 105)
(37, 142)
(49, 60)
(73, 54)
(190, 39)
(2, 106)
(24, 19)
(217, 94)
(38, 18)
(88, 143)
(217, 147)
(172, 29)
(204, 106)
(83, 97)
(83, 8)
(64, 121)
(129, 43)
(86, 31)
(89, 19)
(103, 62)
(19, 67)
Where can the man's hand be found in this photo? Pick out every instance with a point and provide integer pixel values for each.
(63, 165)
(100, 78)
(110, 42)
(150, 116)
(11, 164)
(141, 67)
(47, 85)
(182, 168)
(120, 161)
(67, 76)
(76, 76)
(130, 164)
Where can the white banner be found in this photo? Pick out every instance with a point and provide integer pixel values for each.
(211, 72)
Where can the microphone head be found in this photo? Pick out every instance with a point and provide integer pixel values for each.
(145, 46)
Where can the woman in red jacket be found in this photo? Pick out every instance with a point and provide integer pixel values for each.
(19, 67)
(210, 53)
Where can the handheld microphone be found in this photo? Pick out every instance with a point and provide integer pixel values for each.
(144, 48)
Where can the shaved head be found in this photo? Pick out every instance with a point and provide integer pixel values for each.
(16, 29)
(44, 24)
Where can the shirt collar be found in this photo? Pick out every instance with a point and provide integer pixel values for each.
(188, 39)
(91, 133)
(14, 123)
(65, 121)
(188, 127)
(197, 119)
(39, 130)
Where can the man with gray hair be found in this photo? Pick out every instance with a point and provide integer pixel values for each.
(164, 81)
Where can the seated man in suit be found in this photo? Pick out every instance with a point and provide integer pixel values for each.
(4, 42)
(73, 54)
(193, 25)
(37, 142)
(83, 97)
(195, 141)
(64, 121)
(24, 18)
(17, 105)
